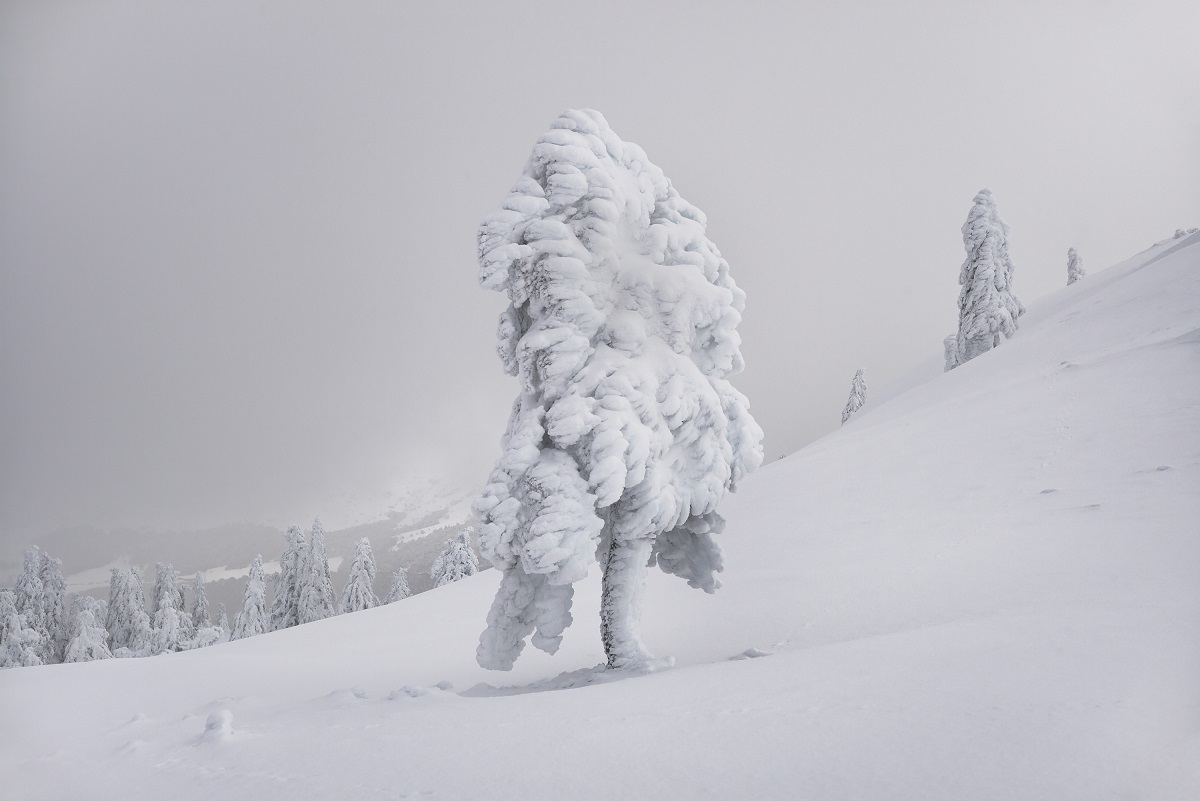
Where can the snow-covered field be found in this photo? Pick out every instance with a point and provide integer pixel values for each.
(985, 588)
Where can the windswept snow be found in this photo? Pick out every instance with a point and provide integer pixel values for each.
(986, 587)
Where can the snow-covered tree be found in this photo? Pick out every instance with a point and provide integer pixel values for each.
(359, 593)
(20, 644)
(200, 618)
(987, 307)
(399, 590)
(626, 435)
(315, 585)
(1075, 269)
(88, 637)
(54, 609)
(222, 618)
(456, 561)
(858, 395)
(171, 632)
(128, 624)
(285, 606)
(252, 620)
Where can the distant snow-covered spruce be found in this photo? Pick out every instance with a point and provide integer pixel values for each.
(1075, 269)
(285, 606)
(54, 609)
(314, 586)
(987, 307)
(399, 590)
(627, 434)
(858, 395)
(127, 621)
(252, 620)
(200, 618)
(20, 643)
(359, 593)
(171, 626)
(456, 561)
(88, 640)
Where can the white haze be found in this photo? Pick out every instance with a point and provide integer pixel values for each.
(237, 241)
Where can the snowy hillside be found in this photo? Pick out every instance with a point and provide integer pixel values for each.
(987, 587)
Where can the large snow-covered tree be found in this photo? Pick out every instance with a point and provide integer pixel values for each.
(128, 623)
(252, 620)
(626, 434)
(88, 639)
(20, 644)
(987, 307)
(399, 590)
(285, 606)
(1075, 269)
(858, 395)
(456, 561)
(315, 587)
(359, 592)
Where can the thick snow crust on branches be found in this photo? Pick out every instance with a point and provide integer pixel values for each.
(359, 593)
(622, 332)
(987, 307)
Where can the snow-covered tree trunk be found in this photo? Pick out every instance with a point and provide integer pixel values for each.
(252, 620)
(399, 590)
(359, 592)
(858, 395)
(987, 307)
(285, 606)
(315, 586)
(1075, 269)
(621, 330)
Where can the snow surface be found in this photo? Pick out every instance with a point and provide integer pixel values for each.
(986, 588)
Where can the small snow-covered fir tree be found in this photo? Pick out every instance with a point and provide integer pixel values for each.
(54, 609)
(222, 618)
(128, 623)
(20, 644)
(987, 307)
(858, 395)
(1075, 269)
(626, 434)
(456, 561)
(285, 606)
(315, 585)
(252, 620)
(88, 638)
(168, 622)
(200, 618)
(399, 590)
(359, 593)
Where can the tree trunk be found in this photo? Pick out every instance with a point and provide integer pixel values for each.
(620, 602)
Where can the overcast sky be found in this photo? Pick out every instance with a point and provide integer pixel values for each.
(237, 240)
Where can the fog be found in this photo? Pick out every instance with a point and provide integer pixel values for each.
(237, 240)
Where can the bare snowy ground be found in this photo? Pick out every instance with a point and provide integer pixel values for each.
(988, 587)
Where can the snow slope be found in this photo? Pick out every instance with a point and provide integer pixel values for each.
(986, 588)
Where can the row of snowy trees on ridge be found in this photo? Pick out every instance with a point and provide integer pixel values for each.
(35, 629)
